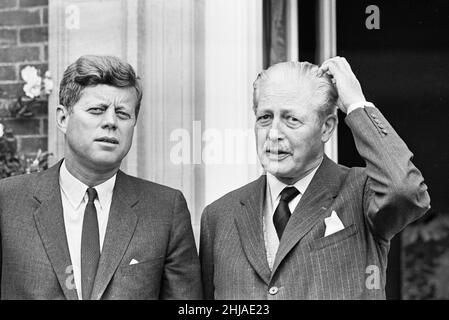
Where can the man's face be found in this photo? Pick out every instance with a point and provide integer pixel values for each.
(99, 128)
(288, 132)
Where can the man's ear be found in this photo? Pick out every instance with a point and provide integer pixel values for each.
(62, 114)
(328, 127)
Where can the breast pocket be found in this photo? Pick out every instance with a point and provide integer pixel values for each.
(335, 238)
(142, 267)
(142, 280)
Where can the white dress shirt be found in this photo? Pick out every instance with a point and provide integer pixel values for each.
(359, 104)
(74, 200)
(273, 196)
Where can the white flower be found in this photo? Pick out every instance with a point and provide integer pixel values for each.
(29, 74)
(32, 90)
(1, 130)
(32, 87)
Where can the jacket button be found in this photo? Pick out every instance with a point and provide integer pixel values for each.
(273, 290)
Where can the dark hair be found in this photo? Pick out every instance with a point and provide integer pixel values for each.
(91, 70)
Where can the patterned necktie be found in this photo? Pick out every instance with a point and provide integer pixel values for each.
(282, 213)
(90, 246)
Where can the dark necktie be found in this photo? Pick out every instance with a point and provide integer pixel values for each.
(90, 246)
(282, 213)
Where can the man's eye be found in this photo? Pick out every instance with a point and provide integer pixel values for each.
(96, 110)
(264, 119)
(293, 120)
(123, 115)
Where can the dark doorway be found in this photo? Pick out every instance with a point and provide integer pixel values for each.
(403, 68)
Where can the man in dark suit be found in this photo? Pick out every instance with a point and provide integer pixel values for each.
(84, 229)
(310, 228)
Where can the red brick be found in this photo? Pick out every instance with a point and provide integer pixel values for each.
(19, 54)
(45, 16)
(11, 90)
(33, 3)
(19, 17)
(34, 34)
(45, 126)
(31, 145)
(7, 73)
(8, 37)
(23, 126)
(6, 4)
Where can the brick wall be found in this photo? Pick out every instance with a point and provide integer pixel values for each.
(23, 41)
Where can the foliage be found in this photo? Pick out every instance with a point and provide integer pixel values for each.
(426, 258)
(12, 163)
(36, 89)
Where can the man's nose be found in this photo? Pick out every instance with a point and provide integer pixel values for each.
(110, 119)
(275, 133)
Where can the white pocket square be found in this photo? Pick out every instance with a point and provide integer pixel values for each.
(333, 224)
(133, 261)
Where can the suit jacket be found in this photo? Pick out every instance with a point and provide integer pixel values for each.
(374, 203)
(147, 222)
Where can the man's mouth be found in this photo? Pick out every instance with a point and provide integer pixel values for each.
(107, 140)
(277, 153)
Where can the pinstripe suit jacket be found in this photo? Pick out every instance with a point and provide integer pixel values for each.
(147, 222)
(374, 203)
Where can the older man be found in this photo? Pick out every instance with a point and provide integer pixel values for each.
(309, 228)
(84, 229)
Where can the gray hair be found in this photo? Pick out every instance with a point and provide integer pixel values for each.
(304, 76)
(91, 70)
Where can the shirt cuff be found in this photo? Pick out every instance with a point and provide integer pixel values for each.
(360, 104)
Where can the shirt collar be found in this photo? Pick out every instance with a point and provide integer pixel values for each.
(75, 190)
(277, 186)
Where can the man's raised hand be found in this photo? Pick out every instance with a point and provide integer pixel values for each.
(346, 83)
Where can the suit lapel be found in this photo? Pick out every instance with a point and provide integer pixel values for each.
(49, 221)
(311, 209)
(120, 229)
(250, 227)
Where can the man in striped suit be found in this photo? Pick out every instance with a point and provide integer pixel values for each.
(310, 228)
